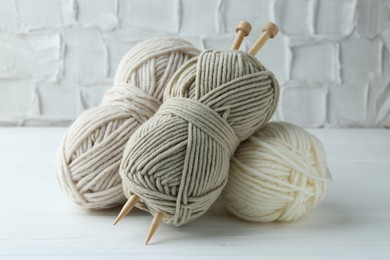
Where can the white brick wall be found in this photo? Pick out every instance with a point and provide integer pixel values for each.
(332, 57)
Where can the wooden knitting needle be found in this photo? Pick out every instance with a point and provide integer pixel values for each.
(153, 227)
(127, 207)
(243, 29)
(270, 30)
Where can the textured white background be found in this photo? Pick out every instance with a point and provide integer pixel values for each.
(57, 57)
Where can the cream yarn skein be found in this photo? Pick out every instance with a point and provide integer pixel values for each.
(279, 173)
(177, 162)
(89, 155)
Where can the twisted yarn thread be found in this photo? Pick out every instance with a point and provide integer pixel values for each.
(279, 173)
(178, 161)
(89, 155)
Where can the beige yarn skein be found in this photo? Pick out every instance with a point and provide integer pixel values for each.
(89, 155)
(177, 162)
(279, 173)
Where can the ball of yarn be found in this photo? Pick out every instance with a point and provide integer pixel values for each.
(178, 161)
(89, 155)
(279, 173)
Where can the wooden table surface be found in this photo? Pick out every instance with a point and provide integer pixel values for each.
(38, 221)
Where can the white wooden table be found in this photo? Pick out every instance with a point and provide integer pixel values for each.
(38, 221)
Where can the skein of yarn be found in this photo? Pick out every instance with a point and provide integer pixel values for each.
(177, 162)
(279, 173)
(89, 155)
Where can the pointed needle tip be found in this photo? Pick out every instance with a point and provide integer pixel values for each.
(127, 207)
(155, 224)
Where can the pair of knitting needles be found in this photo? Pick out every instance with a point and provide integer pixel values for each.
(243, 29)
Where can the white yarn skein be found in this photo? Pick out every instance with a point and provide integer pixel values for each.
(89, 155)
(279, 173)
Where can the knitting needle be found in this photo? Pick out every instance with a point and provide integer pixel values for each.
(243, 29)
(270, 30)
(153, 227)
(127, 207)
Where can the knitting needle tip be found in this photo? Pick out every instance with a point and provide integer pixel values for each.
(270, 30)
(243, 29)
(127, 207)
(153, 227)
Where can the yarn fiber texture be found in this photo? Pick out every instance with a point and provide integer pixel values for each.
(177, 162)
(279, 173)
(88, 159)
